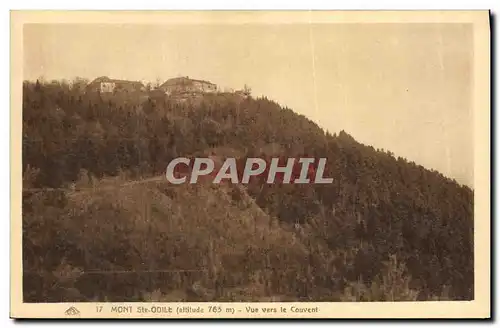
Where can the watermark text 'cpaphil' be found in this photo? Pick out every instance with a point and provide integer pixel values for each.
(302, 170)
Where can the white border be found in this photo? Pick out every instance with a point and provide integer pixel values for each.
(185, 4)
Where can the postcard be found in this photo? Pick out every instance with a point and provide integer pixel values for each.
(250, 164)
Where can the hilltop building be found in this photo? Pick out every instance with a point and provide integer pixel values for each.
(182, 85)
(242, 93)
(104, 84)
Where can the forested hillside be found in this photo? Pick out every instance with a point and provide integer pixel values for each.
(385, 229)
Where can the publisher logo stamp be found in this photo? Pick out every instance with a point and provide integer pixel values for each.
(72, 311)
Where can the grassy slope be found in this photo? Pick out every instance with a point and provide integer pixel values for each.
(170, 231)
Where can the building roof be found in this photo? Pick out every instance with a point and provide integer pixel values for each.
(107, 79)
(183, 80)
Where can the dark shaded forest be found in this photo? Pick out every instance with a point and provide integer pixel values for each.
(386, 229)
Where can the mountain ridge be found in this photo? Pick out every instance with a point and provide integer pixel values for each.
(385, 226)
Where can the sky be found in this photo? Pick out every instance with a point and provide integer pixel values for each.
(406, 88)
